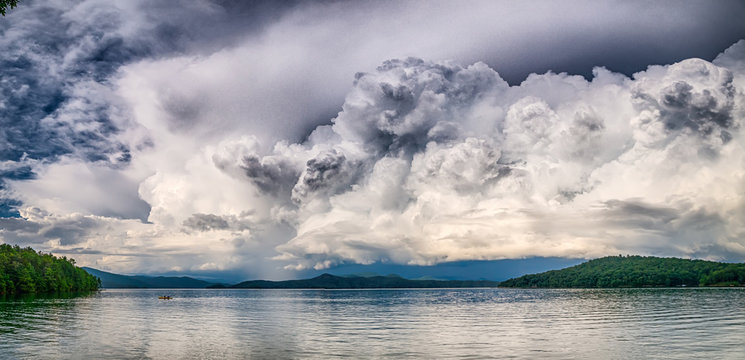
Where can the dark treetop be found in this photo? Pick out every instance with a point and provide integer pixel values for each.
(24, 271)
(635, 271)
(6, 4)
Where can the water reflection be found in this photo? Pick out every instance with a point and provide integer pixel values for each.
(441, 323)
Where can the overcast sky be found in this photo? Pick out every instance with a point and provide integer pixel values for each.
(265, 139)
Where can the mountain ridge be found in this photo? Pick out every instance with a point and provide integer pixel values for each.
(392, 281)
(117, 281)
(606, 272)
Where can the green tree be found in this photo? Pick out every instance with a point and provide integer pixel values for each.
(26, 271)
(636, 271)
(7, 4)
(25, 279)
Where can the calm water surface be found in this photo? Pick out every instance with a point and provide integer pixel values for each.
(441, 323)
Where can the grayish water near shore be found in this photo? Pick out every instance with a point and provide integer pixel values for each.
(440, 323)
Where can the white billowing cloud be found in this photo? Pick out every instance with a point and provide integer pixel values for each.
(73, 186)
(226, 167)
(430, 162)
(653, 164)
(118, 244)
(733, 58)
(280, 82)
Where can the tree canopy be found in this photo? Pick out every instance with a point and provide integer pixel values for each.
(7, 4)
(636, 271)
(24, 271)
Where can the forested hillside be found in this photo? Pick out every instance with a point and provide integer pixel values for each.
(328, 281)
(636, 271)
(24, 271)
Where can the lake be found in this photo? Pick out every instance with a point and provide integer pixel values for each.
(679, 323)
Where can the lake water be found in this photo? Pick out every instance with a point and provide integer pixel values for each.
(441, 323)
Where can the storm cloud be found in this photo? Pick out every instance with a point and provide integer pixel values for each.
(262, 138)
(524, 178)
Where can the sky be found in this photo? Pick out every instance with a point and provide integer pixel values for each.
(242, 140)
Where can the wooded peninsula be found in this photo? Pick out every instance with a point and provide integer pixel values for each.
(635, 271)
(24, 271)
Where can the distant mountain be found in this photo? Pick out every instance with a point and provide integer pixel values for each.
(364, 274)
(116, 281)
(328, 281)
(497, 270)
(635, 271)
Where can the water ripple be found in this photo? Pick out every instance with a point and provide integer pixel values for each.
(439, 323)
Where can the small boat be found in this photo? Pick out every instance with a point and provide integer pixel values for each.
(165, 297)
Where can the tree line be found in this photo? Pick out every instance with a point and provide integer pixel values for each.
(24, 271)
(636, 271)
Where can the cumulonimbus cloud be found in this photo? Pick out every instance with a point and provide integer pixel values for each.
(432, 162)
(198, 155)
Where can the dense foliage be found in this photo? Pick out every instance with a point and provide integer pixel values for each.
(328, 281)
(732, 274)
(636, 271)
(7, 4)
(24, 271)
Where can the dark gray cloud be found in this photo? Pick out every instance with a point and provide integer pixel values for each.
(703, 103)
(586, 133)
(43, 113)
(692, 228)
(19, 225)
(635, 214)
(624, 37)
(270, 174)
(206, 222)
(69, 232)
(327, 174)
(702, 111)
(83, 251)
(66, 231)
(58, 58)
(320, 171)
(49, 50)
(404, 111)
(47, 55)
